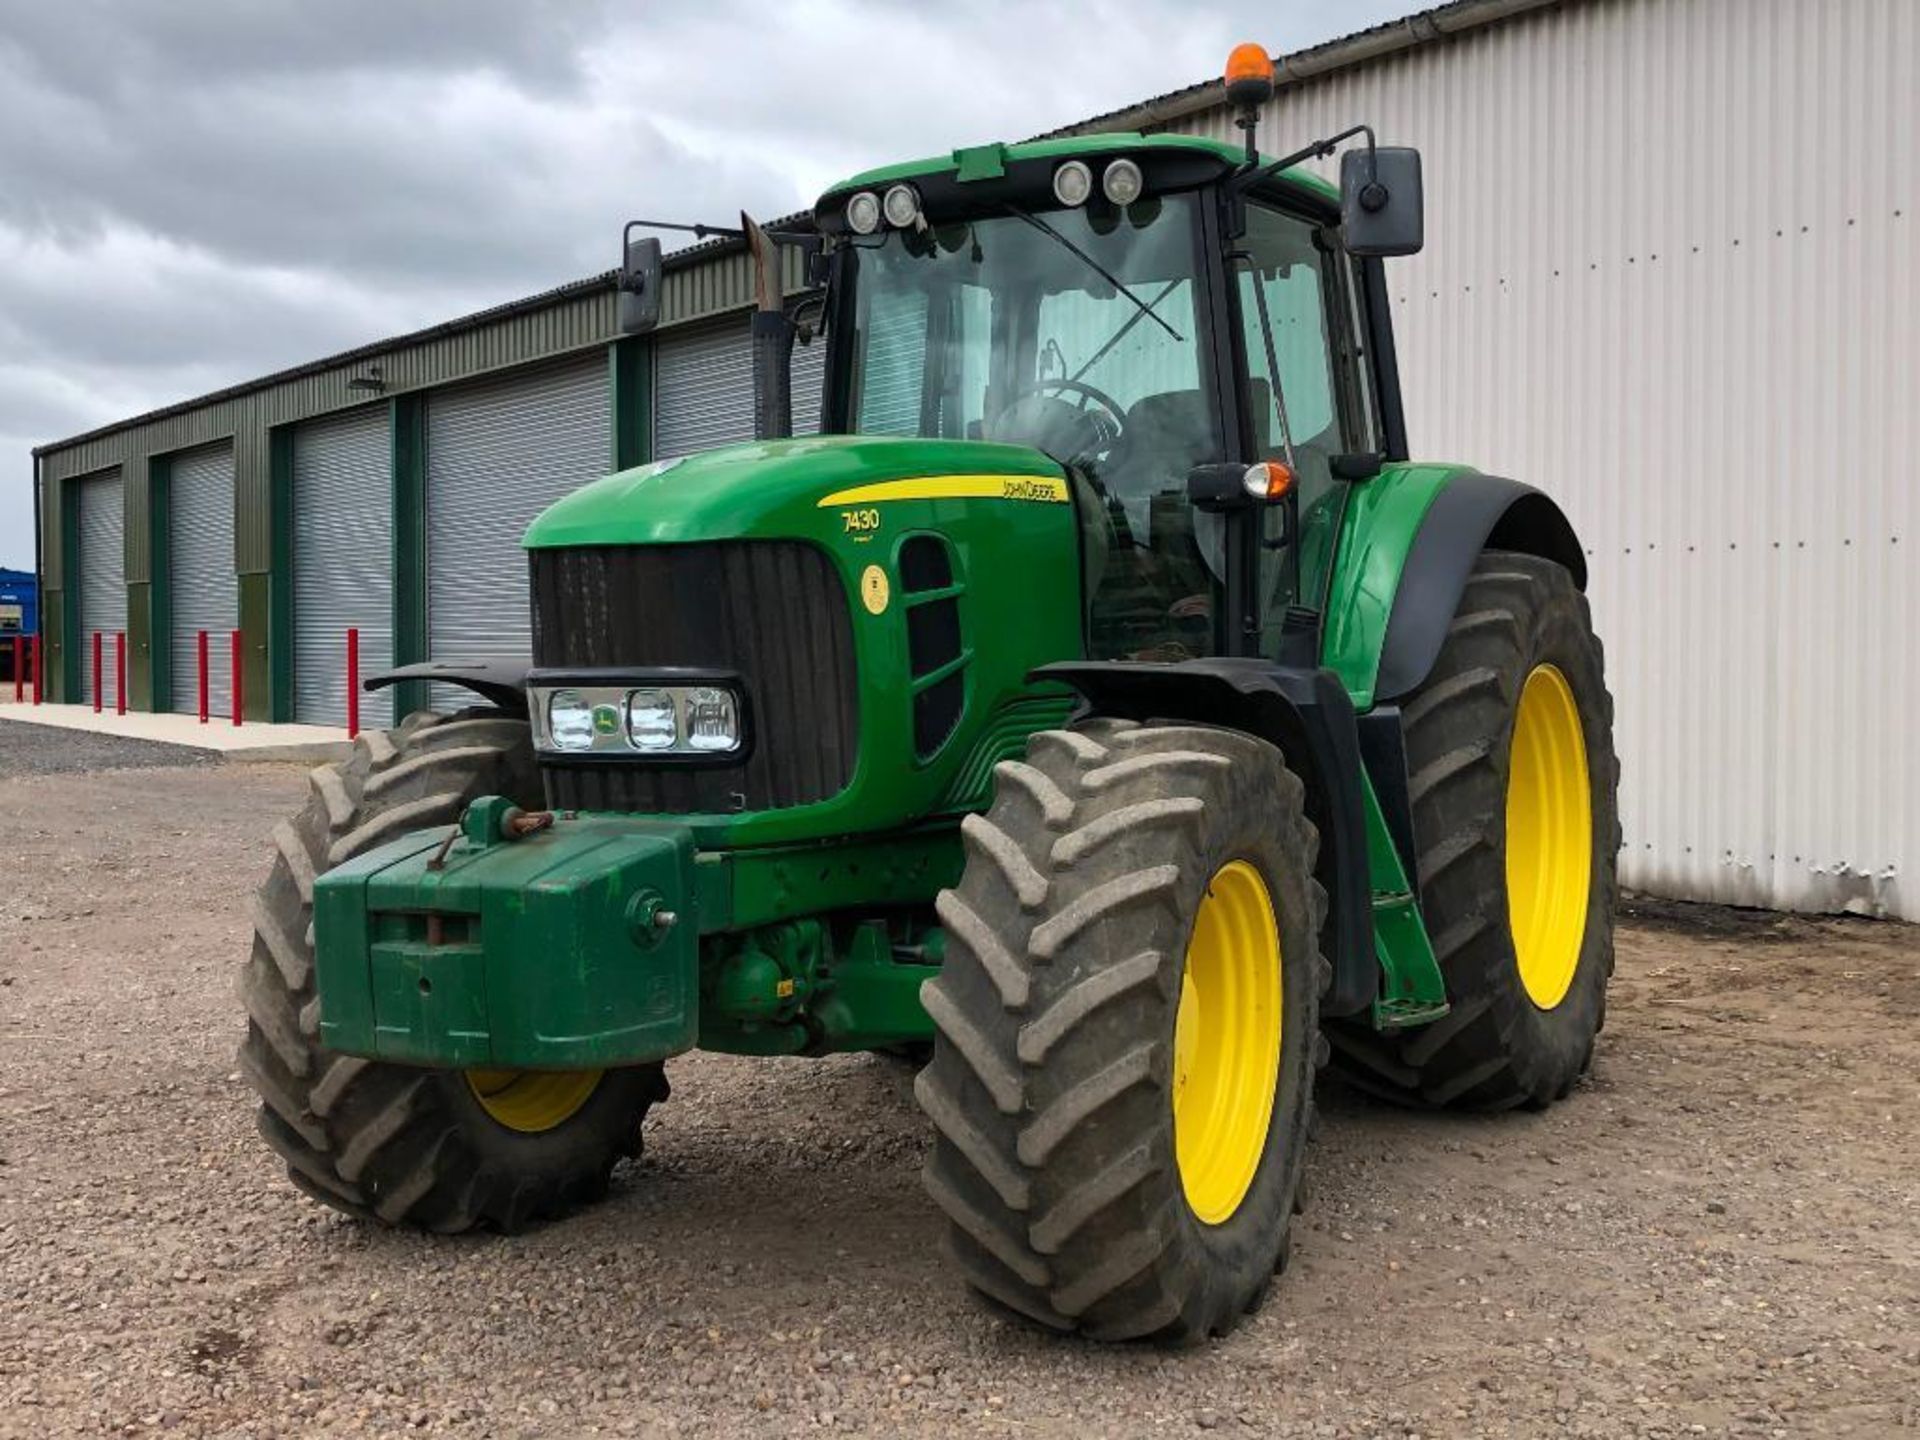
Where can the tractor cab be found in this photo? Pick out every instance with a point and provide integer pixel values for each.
(1129, 306)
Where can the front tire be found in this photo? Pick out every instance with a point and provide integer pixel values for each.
(441, 1149)
(1513, 780)
(1126, 1031)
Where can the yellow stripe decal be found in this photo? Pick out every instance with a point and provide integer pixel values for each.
(1042, 488)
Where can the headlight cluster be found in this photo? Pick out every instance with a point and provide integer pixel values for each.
(900, 208)
(1121, 182)
(637, 719)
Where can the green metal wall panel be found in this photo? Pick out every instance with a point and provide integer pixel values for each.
(51, 489)
(136, 471)
(256, 623)
(157, 661)
(139, 645)
(63, 667)
(53, 630)
(409, 546)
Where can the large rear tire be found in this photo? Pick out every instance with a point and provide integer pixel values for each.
(445, 1150)
(1126, 1031)
(1513, 779)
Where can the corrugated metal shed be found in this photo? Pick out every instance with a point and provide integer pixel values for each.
(1670, 277)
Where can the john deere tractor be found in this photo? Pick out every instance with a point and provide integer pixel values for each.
(1103, 704)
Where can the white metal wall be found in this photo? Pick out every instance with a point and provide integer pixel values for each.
(206, 588)
(498, 453)
(103, 584)
(342, 561)
(1670, 277)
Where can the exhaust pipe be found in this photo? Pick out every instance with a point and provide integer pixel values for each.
(772, 333)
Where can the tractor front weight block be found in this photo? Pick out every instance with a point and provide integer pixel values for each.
(570, 945)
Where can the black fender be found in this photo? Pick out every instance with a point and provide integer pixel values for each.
(1473, 513)
(1308, 714)
(500, 681)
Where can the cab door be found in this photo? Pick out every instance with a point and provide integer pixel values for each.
(1305, 399)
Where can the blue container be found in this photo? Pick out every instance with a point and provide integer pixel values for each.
(19, 613)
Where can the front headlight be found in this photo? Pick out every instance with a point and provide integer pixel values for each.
(639, 721)
(713, 720)
(570, 720)
(651, 722)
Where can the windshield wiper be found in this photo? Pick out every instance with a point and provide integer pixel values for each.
(1127, 328)
(1105, 274)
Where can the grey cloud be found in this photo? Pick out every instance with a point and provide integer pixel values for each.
(127, 46)
(198, 191)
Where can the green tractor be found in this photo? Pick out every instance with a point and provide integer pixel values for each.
(1104, 706)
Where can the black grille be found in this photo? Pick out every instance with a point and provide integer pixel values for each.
(773, 610)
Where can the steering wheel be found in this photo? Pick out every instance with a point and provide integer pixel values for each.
(1101, 431)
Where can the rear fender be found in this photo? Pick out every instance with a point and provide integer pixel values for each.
(1307, 714)
(1408, 540)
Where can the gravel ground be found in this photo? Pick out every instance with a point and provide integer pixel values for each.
(1718, 1234)
(28, 749)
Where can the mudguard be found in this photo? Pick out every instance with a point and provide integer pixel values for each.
(1307, 713)
(1409, 538)
(500, 681)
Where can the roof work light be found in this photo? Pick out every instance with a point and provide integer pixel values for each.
(863, 213)
(1121, 182)
(1072, 183)
(902, 206)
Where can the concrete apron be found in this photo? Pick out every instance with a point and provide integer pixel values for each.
(310, 744)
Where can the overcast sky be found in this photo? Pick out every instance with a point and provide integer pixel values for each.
(197, 192)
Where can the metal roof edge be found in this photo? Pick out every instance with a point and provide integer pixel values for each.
(1410, 32)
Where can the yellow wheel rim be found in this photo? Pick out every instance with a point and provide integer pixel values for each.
(1226, 1042)
(1549, 837)
(531, 1101)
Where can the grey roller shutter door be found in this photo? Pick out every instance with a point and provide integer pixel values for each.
(205, 587)
(809, 372)
(498, 453)
(103, 583)
(703, 388)
(342, 562)
(896, 364)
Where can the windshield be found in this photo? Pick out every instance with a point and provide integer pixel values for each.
(1007, 329)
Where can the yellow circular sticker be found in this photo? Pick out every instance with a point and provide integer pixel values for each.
(874, 591)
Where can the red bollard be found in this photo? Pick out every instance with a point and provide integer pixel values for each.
(119, 672)
(36, 669)
(96, 672)
(19, 668)
(203, 678)
(353, 682)
(237, 681)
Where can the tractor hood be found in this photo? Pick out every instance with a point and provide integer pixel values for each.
(788, 487)
(878, 700)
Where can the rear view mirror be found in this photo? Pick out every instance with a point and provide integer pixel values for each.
(638, 310)
(1380, 204)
